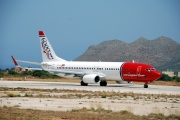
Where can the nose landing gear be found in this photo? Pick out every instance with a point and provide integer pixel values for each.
(145, 85)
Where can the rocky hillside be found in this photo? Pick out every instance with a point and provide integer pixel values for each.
(162, 52)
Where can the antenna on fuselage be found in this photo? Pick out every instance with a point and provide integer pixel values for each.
(132, 61)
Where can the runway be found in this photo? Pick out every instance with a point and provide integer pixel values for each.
(153, 89)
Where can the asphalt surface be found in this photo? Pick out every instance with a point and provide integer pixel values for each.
(153, 89)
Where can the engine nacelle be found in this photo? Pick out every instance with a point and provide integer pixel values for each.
(92, 78)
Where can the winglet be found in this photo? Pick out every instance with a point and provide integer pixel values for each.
(15, 62)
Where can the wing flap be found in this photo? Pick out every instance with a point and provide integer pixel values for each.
(76, 74)
(65, 72)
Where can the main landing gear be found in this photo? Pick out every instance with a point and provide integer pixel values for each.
(83, 84)
(145, 85)
(103, 83)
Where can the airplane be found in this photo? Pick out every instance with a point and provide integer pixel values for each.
(92, 72)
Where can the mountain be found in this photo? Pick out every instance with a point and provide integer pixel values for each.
(162, 52)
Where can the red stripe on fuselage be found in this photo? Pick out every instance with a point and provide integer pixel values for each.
(131, 71)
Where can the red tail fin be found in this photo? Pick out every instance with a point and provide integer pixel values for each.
(15, 62)
(41, 34)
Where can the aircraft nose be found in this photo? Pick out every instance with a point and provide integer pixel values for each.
(158, 74)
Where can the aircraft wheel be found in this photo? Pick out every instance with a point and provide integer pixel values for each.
(83, 84)
(103, 83)
(145, 85)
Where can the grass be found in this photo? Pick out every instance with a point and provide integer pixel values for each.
(10, 95)
(13, 95)
(77, 94)
(10, 113)
(103, 96)
(95, 111)
(28, 95)
(16, 106)
(125, 112)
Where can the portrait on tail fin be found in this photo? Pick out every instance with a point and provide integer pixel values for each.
(46, 49)
(48, 54)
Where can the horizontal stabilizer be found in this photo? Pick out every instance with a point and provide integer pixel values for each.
(34, 63)
(17, 65)
(32, 68)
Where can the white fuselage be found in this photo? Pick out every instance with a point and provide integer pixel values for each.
(111, 70)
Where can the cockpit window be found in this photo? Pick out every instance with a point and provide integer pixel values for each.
(147, 69)
(150, 69)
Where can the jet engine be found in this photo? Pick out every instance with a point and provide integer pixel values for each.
(92, 78)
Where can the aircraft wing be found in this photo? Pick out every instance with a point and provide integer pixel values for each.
(66, 72)
(17, 65)
(77, 74)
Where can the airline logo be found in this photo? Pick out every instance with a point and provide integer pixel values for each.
(46, 49)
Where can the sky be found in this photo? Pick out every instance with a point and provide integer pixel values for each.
(73, 25)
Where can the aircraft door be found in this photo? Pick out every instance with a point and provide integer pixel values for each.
(51, 66)
(138, 72)
(44, 66)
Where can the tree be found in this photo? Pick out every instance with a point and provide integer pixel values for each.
(1, 73)
(36, 73)
(26, 73)
(176, 78)
(12, 72)
(166, 77)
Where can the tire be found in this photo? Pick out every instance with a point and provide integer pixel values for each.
(103, 83)
(84, 84)
(145, 86)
